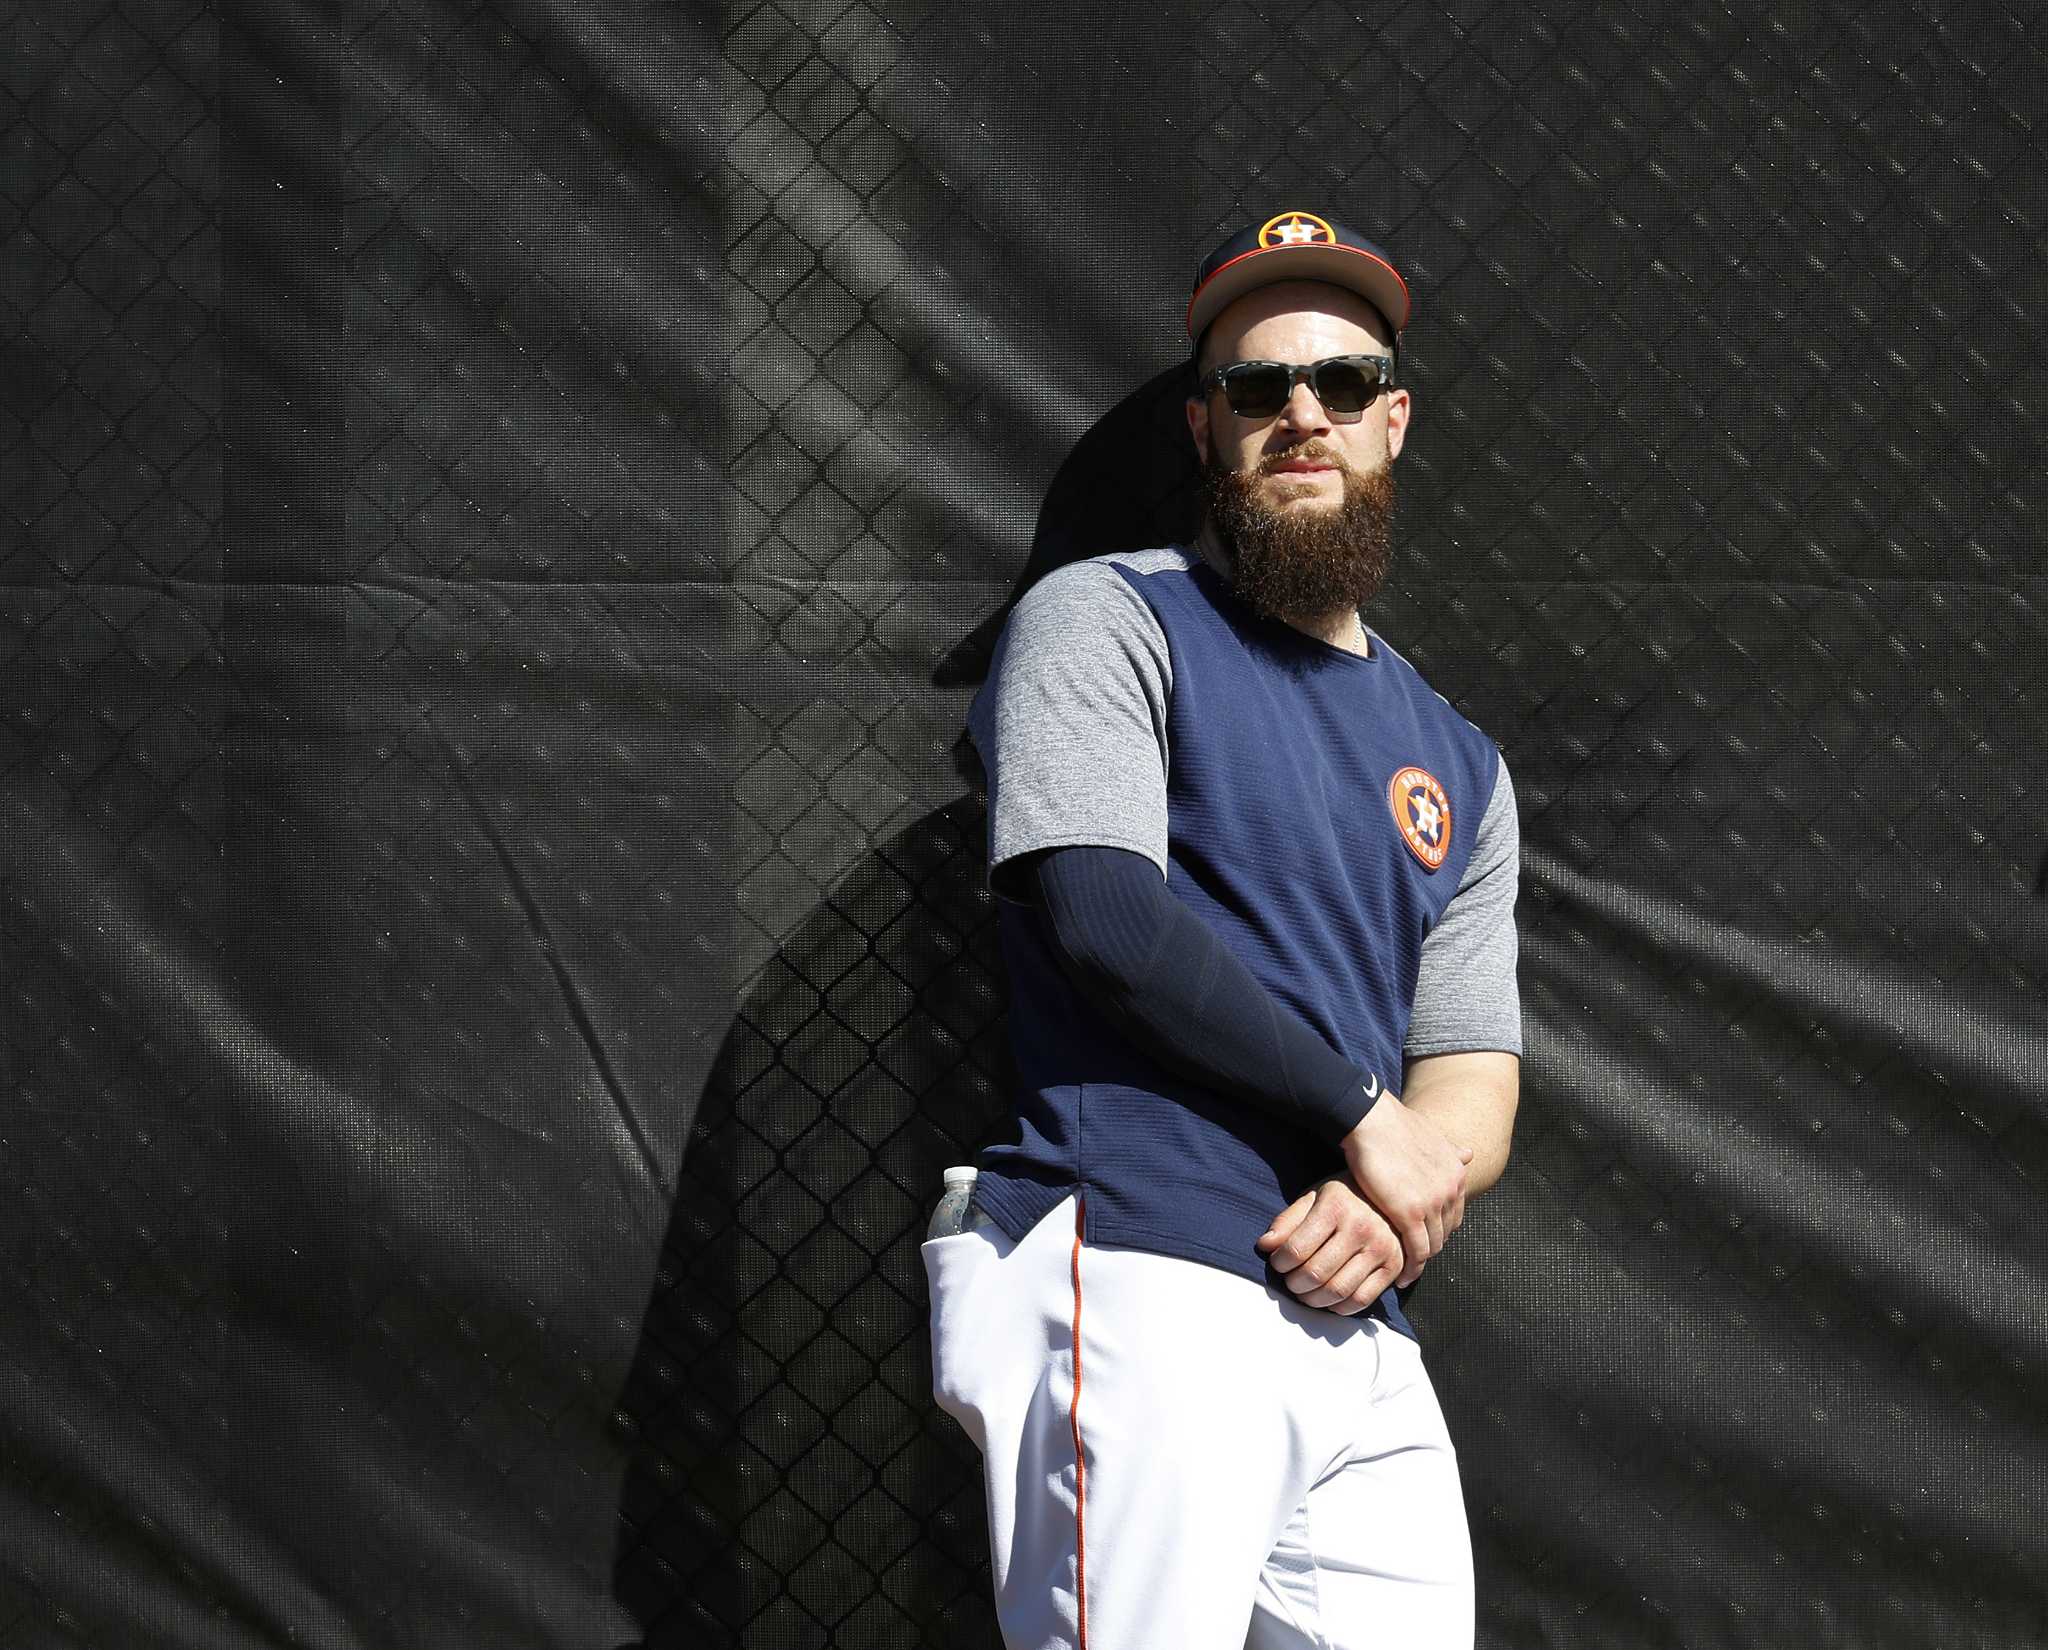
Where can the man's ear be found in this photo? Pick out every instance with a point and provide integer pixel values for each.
(1198, 426)
(1399, 406)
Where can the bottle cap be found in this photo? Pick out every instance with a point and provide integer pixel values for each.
(963, 1175)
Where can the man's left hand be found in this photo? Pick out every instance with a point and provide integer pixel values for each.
(1333, 1249)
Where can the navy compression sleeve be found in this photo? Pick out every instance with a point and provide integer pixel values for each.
(1164, 978)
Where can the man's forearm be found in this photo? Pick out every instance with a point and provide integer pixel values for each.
(1168, 982)
(1472, 1097)
(1171, 985)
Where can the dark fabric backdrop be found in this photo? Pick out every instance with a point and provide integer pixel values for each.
(503, 506)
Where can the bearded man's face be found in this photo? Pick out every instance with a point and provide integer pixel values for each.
(1302, 558)
(1302, 500)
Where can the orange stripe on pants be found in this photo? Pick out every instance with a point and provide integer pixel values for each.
(1080, 1460)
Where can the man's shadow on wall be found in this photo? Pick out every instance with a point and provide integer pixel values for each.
(791, 1482)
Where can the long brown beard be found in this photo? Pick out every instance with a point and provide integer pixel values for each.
(1303, 564)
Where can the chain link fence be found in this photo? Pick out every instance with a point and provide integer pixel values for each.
(503, 508)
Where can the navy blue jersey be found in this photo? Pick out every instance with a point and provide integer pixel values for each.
(1318, 809)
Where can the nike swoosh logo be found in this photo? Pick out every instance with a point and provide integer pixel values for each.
(1372, 1086)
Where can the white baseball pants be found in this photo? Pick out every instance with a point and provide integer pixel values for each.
(1177, 1458)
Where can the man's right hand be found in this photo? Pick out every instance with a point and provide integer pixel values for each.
(1411, 1172)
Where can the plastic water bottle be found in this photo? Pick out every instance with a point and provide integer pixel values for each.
(952, 1216)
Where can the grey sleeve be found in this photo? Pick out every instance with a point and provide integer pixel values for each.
(1071, 724)
(1465, 997)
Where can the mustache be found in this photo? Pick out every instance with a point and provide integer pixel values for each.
(1313, 451)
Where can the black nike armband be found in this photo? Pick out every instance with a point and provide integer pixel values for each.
(1163, 977)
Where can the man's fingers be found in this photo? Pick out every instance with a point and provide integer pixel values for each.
(1414, 1237)
(1361, 1280)
(1338, 1253)
(1369, 1292)
(1302, 1227)
(1328, 1244)
(1322, 1279)
(1413, 1258)
(1308, 1277)
(1345, 1282)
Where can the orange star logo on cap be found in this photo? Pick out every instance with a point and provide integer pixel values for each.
(1295, 229)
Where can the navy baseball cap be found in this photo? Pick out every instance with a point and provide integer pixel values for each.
(1297, 246)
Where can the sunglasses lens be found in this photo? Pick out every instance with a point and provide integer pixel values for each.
(1343, 387)
(1259, 389)
(1256, 391)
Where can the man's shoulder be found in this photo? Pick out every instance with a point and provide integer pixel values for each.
(1091, 615)
(1115, 566)
(1165, 558)
(1098, 594)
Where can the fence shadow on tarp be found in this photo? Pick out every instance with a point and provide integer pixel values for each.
(790, 1478)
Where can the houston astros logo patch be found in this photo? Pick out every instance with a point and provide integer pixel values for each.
(1423, 812)
(1295, 229)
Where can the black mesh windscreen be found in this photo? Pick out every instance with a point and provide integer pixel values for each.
(503, 507)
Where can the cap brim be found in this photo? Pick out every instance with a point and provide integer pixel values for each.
(1371, 277)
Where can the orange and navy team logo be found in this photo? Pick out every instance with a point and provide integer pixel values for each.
(1296, 229)
(1423, 812)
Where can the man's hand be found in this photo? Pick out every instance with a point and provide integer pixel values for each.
(1412, 1173)
(1333, 1249)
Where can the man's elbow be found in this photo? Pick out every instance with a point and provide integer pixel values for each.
(1500, 1137)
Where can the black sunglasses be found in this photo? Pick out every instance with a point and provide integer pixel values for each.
(1345, 384)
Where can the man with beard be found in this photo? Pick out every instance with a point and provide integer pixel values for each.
(1256, 889)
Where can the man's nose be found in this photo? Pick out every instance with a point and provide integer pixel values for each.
(1303, 411)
